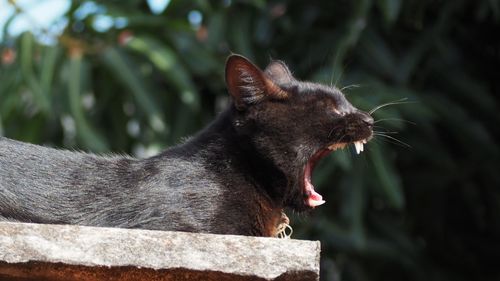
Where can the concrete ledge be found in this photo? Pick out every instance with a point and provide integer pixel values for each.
(64, 252)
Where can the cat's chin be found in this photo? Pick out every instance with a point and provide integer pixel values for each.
(312, 198)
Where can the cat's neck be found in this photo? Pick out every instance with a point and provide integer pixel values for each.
(222, 148)
(218, 139)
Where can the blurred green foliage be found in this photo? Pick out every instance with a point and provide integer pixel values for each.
(422, 203)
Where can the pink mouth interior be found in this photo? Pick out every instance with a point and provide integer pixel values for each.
(313, 198)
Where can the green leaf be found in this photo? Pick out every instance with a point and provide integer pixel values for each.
(357, 208)
(354, 28)
(241, 34)
(7, 24)
(377, 54)
(165, 59)
(48, 65)
(389, 182)
(26, 57)
(129, 76)
(216, 29)
(85, 132)
(390, 9)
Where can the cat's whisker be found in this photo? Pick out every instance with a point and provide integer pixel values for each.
(380, 140)
(348, 87)
(389, 132)
(400, 101)
(385, 130)
(394, 119)
(333, 73)
(391, 142)
(397, 141)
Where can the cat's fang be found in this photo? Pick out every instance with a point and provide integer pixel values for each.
(359, 146)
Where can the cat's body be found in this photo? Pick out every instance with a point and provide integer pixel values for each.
(234, 177)
(182, 189)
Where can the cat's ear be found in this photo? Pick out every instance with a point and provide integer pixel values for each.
(247, 84)
(279, 72)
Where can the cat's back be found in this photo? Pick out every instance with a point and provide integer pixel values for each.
(47, 185)
(20, 160)
(12, 151)
(28, 169)
(43, 184)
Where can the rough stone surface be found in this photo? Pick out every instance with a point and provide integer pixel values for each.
(64, 252)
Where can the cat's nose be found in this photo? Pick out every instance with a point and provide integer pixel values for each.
(366, 118)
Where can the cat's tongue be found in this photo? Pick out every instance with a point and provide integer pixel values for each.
(313, 198)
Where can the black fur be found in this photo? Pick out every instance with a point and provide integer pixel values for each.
(234, 177)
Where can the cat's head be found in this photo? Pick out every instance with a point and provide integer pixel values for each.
(293, 123)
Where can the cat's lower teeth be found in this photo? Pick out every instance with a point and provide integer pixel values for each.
(358, 145)
(336, 146)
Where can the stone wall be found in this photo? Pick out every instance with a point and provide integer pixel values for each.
(64, 252)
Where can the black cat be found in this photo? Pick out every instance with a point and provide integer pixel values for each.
(234, 177)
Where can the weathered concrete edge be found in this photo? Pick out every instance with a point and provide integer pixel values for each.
(64, 272)
(266, 258)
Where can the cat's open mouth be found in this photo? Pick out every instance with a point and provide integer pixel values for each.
(312, 198)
